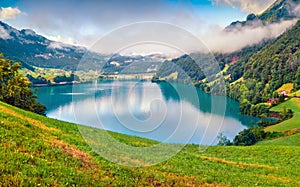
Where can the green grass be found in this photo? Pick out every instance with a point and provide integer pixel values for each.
(297, 93)
(293, 140)
(287, 87)
(51, 73)
(36, 150)
(223, 71)
(237, 81)
(292, 123)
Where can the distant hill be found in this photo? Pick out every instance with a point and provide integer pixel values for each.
(182, 69)
(134, 64)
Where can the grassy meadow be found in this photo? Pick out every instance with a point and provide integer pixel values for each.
(38, 151)
(287, 87)
(292, 123)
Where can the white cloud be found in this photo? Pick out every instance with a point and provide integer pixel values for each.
(29, 32)
(222, 41)
(9, 13)
(296, 10)
(4, 34)
(58, 38)
(249, 6)
(58, 45)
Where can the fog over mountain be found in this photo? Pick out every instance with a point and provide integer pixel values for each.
(31, 48)
(278, 18)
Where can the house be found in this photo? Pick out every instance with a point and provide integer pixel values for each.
(234, 60)
(272, 100)
(274, 115)
(283, 92)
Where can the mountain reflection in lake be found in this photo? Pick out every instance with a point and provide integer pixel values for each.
(171, 113)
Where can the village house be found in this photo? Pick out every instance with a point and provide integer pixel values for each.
(272, 100)
(283, 92)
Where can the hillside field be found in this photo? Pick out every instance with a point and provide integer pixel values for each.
(292, 123)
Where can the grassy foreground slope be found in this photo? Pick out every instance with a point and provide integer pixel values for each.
(38, 150)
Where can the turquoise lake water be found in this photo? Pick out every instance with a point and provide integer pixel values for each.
(171, 113)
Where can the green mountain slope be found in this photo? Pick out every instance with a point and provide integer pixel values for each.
(280, 10)
(35, 50)
(38, 151)
(267, 70)
(185, 68)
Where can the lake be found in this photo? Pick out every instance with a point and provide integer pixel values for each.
(171, 113)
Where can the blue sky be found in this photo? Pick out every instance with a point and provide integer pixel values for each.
(81, 22)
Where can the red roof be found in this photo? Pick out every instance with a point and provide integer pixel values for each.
(270, 100)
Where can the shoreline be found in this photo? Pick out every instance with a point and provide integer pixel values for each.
(57, 84)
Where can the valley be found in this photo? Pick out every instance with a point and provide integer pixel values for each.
(150, 114)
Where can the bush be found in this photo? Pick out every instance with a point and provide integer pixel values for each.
(245, 138)
(273, 135)
(253, 135)
(59, 79)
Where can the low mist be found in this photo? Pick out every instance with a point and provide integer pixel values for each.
(220, 40)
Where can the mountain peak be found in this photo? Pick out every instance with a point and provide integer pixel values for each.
(280, 10)
(33, 49)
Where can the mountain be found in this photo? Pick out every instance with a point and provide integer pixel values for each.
(133, 64)
(32, 49)
(183, 69)
(255, 73)
(267, 70)
(279, 11)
